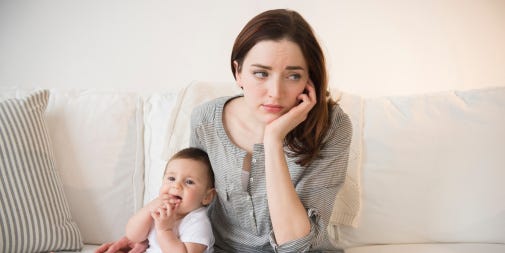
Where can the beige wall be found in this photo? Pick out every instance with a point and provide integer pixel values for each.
(373, 47)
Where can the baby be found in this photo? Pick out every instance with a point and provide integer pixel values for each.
(177, 221)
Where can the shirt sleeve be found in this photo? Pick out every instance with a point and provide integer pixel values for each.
(300, 245)
(196, 229)
(319, 185)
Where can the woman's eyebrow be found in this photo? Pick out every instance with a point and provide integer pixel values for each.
(261, 66)
(294, 68)
(270, 68)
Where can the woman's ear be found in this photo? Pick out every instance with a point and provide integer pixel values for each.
(237, 74)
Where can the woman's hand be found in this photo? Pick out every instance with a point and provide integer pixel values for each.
(281, 126)
(281, 193)
(123, 245)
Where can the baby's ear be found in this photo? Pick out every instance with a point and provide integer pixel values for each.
(209, 196)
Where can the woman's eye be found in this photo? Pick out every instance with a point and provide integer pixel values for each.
(294, 77)
(260, 74)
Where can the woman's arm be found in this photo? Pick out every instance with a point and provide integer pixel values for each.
(288, 215)
(122, 245)
(281, 193)
(320, 184)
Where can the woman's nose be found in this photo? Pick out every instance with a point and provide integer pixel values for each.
(274, 87)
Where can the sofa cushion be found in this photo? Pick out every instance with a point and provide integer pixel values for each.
(97, 137)
(347, 204)
(433, 169)
(158, 111)
(431, 248)
(177, 134)
(172, 130)
(87, 248)
(35, 215)
(178, 131)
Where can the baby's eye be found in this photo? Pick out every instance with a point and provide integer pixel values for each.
(190, 182)
(294, 77)
(171, 179)
(260, 74)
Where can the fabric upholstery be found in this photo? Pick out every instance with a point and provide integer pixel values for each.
(433, 169)
(35, 214)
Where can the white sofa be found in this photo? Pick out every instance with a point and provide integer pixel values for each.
(429, 168)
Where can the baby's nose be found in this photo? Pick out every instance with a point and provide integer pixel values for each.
(176, 185)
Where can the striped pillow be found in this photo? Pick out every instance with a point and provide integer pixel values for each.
(34, 216)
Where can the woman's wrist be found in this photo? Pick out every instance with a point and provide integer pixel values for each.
(270, 145)
(272, 139)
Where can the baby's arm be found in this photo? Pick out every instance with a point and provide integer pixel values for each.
(164, 220)
(169, 242)
(140, 223)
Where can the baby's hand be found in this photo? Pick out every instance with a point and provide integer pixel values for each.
(165, 216)
(169, 199)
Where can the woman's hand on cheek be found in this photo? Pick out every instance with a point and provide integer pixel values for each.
(281, 126)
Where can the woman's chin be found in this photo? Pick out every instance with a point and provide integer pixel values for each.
(269, 119)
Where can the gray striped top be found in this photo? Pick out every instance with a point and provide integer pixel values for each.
(240, 219)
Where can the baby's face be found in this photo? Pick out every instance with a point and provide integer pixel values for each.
(188, 181)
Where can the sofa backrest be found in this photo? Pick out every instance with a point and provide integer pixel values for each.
(97, 138)
(433, 168)
(173, 134)
(430, 166)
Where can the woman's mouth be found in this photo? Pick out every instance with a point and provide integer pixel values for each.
(272, 108)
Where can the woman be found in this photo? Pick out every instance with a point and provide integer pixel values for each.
(280, 150)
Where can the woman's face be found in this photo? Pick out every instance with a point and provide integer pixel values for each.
(272, 76)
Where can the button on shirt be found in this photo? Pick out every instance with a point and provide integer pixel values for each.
(240, 216)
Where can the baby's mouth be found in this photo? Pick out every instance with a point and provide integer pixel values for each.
(176, 197)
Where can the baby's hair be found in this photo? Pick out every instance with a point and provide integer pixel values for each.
(195, 154)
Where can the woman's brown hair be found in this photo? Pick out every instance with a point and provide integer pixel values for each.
(306, 140)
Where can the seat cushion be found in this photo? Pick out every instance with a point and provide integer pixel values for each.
(430, 248)
(88, 248)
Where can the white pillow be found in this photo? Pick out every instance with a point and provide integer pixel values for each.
(347, 204)
(97, 137)
(194, 94)
(433, 169)
(159, 108)
(170, 124)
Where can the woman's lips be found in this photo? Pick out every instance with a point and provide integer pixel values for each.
(272, 108)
